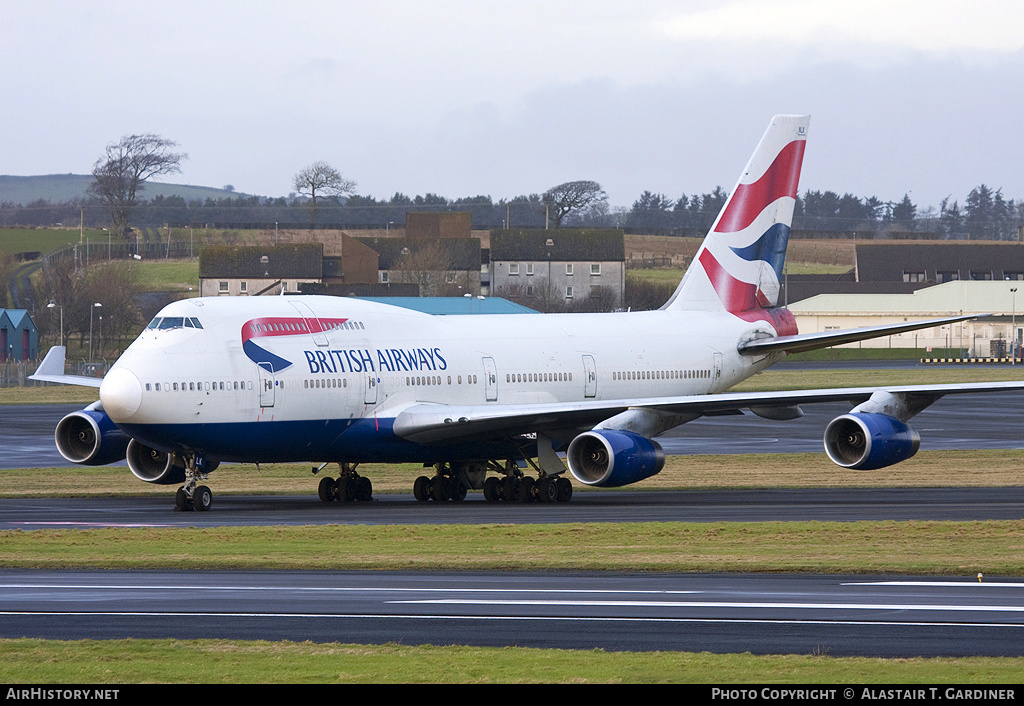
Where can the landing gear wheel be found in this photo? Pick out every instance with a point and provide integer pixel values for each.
(181, 501)
(509, 487)
(343, 489)
(440, 488)
(202, 498)
(421, 489)
(547, 489)
(363, 489)
(564, 490)
(459, 490)
(492, 490)
(326, 489)
(526, 489)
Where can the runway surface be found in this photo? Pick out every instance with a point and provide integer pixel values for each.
(833, 615)
(824, 505)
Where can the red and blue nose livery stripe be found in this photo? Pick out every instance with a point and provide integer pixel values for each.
(273, 326)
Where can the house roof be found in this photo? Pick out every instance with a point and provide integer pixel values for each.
(576, 245)
(887, 261)
(19, 318)
(294, 261)
(456, 253)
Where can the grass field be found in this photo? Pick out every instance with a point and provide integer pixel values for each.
(229, 662)
(16, 240)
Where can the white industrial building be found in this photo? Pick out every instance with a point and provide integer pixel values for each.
(988, 336)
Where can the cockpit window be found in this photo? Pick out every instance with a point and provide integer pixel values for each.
(169, 322)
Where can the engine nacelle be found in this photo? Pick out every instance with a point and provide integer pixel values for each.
(612, 458)
(866, 441)
(89, 437)
(153, 465)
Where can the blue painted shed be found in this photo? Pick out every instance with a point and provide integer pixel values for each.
(19, 337)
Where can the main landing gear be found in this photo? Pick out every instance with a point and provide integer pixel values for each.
(193, 496)
(452, 483)
(349, 485)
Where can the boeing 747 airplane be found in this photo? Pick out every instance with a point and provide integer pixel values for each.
(490, 402)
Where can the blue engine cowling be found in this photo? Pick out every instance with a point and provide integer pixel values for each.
(611, 458)
(153, 465)
(89, 437)
(865, 441)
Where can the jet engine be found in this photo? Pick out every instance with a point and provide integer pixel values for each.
(866, 441)
(89, 437)
(612, 458)
(153, 465)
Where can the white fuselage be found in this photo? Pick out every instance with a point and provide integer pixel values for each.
(252, 368)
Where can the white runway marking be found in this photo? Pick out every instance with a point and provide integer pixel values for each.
(730, 604)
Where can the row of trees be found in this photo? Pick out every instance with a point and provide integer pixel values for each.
(986, 215)
(324, 197)
(983, 215)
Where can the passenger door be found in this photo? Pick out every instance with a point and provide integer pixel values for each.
(589, 376)
(490, 380)
(267, 383)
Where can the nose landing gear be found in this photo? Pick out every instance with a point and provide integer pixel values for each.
(193, 496)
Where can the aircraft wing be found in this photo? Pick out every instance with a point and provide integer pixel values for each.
(437, 423)
(801, 343)
(52, 370)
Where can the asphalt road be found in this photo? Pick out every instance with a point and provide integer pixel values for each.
(763, 614)
(824, 505)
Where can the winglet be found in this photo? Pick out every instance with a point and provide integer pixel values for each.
(52, 370)
(53, 362)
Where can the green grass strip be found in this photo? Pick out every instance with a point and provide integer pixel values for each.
(916, 547)
(226, 662)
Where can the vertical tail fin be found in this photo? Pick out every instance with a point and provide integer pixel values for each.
(738, 267)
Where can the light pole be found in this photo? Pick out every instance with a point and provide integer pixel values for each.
(51, 305)
(1013, 327)
(91, 309)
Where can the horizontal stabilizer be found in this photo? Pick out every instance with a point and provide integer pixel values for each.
(52, 370)
(800, 343)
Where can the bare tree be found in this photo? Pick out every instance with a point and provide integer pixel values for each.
(571, 196)
(430, 265)
(124, 169)
(320, 180)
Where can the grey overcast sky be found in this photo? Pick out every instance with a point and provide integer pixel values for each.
(496, 97)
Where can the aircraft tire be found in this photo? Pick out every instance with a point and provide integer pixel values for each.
(326, 489)
(527, 488)
(459, 490)
(564, 490)
(202, 498)
(181, 502)
(421, 489)
(492, 491)
(547, 490)
(440, 488)
(364, 489)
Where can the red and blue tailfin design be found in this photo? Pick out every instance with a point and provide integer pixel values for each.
(738, 267)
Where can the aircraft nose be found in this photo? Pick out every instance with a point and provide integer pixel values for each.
(121, 394)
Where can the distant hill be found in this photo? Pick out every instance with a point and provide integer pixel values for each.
(57, 188)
